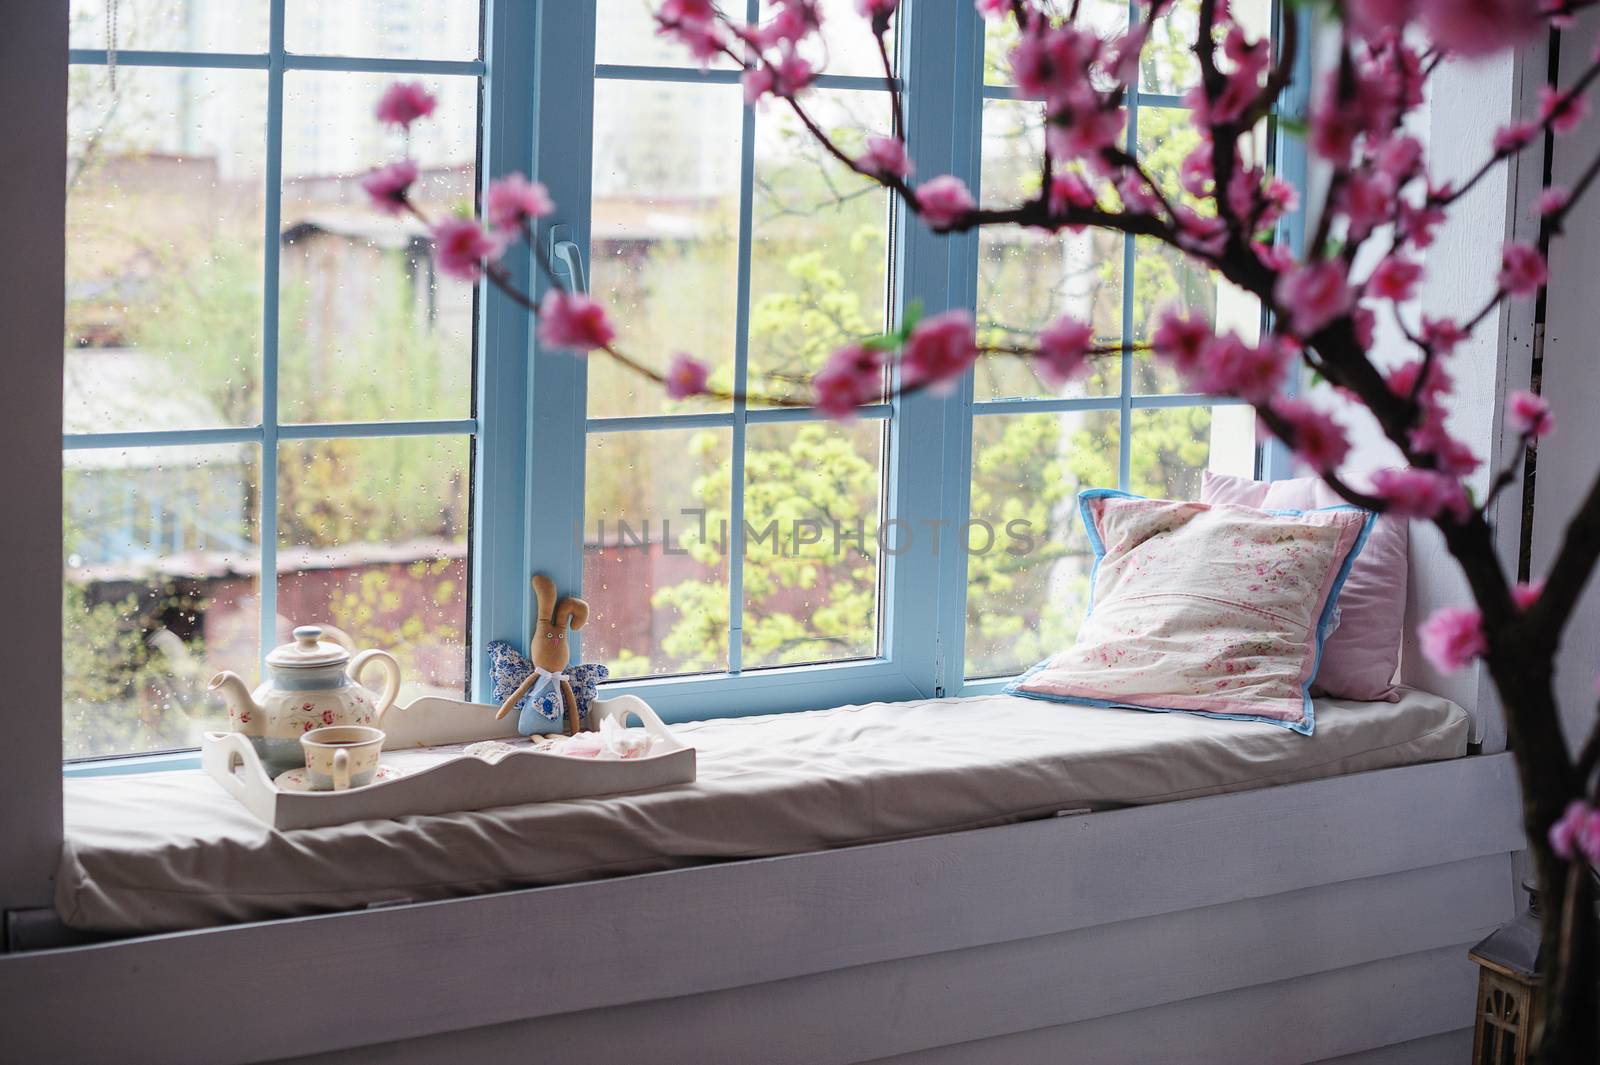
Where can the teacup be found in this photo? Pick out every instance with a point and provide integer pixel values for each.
(341, 756)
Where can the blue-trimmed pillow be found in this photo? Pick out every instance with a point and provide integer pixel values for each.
(1211, 609)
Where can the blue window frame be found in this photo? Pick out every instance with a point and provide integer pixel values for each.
(530, 426)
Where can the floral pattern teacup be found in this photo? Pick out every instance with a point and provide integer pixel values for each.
(341, 756)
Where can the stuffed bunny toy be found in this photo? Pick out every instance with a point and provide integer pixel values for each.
(548, 689)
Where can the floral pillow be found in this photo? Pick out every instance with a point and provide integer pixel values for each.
(1219, 610)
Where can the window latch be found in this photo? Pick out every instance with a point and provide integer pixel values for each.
(566, 260)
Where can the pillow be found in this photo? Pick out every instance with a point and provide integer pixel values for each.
(1213, 609)
(1363, 652)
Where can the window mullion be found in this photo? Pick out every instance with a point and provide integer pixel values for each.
(556, 404)
(741, 378)
(1125, 408)
(500, 608)
(267, 523)
(942, 57)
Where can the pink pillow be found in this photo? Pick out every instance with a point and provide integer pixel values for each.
(1363, 654)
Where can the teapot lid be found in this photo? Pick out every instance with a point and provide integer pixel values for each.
(308, 649)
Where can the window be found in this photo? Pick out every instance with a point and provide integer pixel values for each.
(269, 409)
(277, 414)
(1128, 424)
(732, 537)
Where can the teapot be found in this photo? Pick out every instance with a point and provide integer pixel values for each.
(310, 683)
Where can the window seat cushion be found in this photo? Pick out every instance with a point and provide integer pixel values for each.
(171, 851)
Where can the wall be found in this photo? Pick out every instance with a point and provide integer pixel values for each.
(1461, 268)
(33, 86)
(1571, 383)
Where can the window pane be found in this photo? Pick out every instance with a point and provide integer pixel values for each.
(158, 592)
(625, 34)
(1028, 559)
(812, 509)
(172, 25)
(1168, 64)
(1107, 17)
(664, 235)
(408, 29)
(1172, 447)
(369, 330)
(163, 242)
(846, 44)
(1028, 279)
(819, 262)
(655, 562)
(372, 538)
(1165, 277)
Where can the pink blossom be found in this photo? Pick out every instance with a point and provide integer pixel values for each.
(1367, 200)
(1395, 279)
(943, 201)
(1442, 334)
(1314, 295)
(1240, 86)
(1398, 158)
(1527, 594)
(1063, 350)
(939, 350)
(1069, 190)
(1529, 415)
(686, 11)
(1084, 131)
(1181, 338)
(1123, 61)
(461, 247)
(1523, 271)
(885, 157)
(703, 38)
(1514, 137)
(1479, 27)
(570, 320)
(757, 82)
(1577, 833)
(1417, 223)
(388, 185)
(513, 200)
(1365, 323)
(993, 8)
(1373, 18)
(794, 20)
(1563, 111)
(1052, 63)
(1197, 174)
(788, 77)
(852, 378)
(1415, 493)
(1402, 379)
(1333, 130)
(1553, 200)
(877, 10)
(1452, 637)
(686, 377)
(1230, 367)
(404, 102)
(1317, 438)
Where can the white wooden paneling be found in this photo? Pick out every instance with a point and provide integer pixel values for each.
(1309, 1019)
(1568, 460)
(958, 996)
(33, 175)
(1450, 1048)
(416, 970)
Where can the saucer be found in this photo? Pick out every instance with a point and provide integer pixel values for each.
(297, 780)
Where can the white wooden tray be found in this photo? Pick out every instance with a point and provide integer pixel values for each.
(425, 740)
